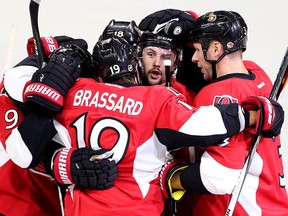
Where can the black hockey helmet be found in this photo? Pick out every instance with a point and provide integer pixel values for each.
(126, 30)
(227, 27)
(115, 58)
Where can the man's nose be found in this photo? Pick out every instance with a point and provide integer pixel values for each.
(158, 60)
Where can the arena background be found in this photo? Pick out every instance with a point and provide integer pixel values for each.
(266, 20)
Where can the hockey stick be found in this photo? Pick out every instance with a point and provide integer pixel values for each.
(279, 84)
(34, 8)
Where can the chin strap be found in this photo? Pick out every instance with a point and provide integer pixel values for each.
(214, 73)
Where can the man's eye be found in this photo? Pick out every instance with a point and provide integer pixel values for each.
(151, 54)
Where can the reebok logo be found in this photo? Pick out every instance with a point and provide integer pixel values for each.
(261, 85)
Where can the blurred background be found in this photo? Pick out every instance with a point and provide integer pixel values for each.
(266, 20)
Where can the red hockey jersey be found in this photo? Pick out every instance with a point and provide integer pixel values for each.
(133, 125)
(27, 192)
(264, 191)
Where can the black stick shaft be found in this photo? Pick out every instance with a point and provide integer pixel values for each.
(278, 86)
(34, 8)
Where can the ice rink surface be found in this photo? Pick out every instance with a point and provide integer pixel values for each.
(266, 20)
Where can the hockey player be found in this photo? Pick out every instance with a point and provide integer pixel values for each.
(220, 38)
(30, 191)
(166, 32)
(127, 31)
(110, 118)
(23, 191)
(157, 47)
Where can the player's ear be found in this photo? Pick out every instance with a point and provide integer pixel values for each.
(217, 48)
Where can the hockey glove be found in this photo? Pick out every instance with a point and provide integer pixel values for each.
(167, 172)
(51, 43)
(270, 116)
(75, 166)
(66, 41)
(50, 84)
(176, 23)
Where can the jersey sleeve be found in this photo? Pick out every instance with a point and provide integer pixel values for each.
(180, 124)
(18, 76)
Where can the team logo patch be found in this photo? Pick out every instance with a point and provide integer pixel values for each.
(230, 45)
(211, 17)
(224, 99)
(177, 30)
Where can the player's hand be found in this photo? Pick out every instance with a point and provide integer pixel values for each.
(75, 166)
(52, 43)
(66, 41)
(176, 23)
(44, 94)
(168, 170)
(270, 115)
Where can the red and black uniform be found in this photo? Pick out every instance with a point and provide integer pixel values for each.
(264, 191)
(133, 124)
(22, 191)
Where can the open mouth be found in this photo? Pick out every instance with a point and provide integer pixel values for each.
(155, 74)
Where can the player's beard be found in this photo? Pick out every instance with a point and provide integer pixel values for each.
(145, 82)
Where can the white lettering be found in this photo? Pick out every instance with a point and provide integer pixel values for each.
(137, 108)
(119, 105)
(103, 100)
(43, 90)
(111, 101)
(86, 96)
(77, 98)
(108, 101)
(94, 100)
(62, 166)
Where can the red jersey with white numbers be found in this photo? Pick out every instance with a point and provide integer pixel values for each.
(22, 191)
(264, 191)
(133, 124)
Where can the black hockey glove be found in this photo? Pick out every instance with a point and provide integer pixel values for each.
(76, 166)
(176, 23)
(66, 41)
(44, 94)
